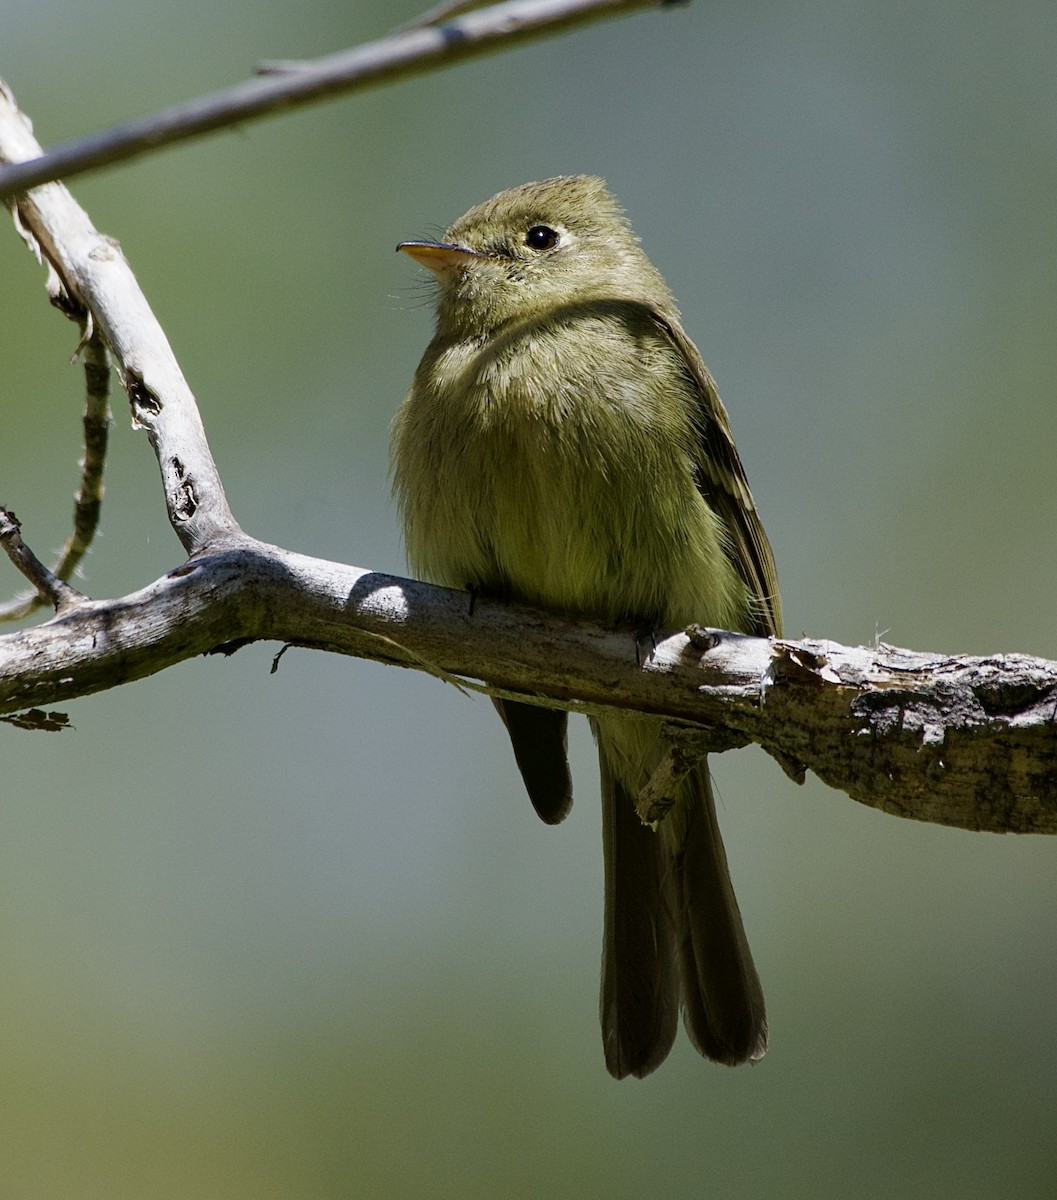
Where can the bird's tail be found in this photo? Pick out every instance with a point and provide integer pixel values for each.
(673, 935)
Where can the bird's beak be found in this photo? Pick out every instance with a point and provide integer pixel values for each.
(438, 256)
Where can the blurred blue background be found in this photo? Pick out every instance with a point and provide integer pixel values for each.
(301, 935)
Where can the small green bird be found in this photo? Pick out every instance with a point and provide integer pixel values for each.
(563, 445)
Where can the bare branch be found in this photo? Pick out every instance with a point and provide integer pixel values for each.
(970, 742)
(94, 276)
(51, 588)
(421, 48)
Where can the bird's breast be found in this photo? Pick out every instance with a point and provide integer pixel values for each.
(565, 484)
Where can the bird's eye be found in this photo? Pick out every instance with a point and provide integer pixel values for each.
(541, 237)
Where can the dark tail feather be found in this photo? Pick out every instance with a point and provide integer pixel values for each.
(723, 1002)
(640, 989)
(538, 736)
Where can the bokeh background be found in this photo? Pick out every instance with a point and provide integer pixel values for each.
(301, 936)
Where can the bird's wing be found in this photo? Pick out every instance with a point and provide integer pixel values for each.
(721, 479)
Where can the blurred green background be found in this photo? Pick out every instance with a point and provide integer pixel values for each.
(301, 935)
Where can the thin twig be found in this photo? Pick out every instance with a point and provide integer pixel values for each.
(89, 497)
(55, 591)
(383, 61)
(438, 15)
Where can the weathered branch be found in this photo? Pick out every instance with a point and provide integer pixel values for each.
(413, 50)
(970, 742)
(92, 272)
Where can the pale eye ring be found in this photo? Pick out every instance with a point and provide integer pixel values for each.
(542, 237)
